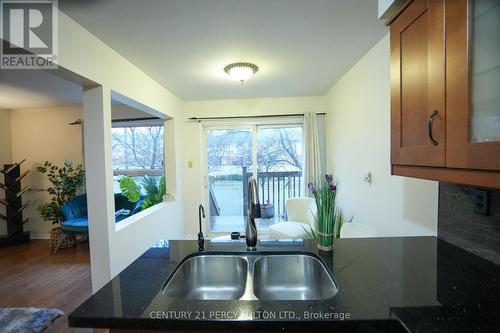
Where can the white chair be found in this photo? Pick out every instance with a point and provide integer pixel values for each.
(301, 213)
(357, 230)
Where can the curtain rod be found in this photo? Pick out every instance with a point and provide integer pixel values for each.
(262, 116)
(133, 119)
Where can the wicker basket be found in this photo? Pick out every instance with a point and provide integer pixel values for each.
(65, 241)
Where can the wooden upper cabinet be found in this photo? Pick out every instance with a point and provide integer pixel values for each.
(473, 84)
(445, 91)
(418, 84)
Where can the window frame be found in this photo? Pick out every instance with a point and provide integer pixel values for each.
(252, 124)
(142, 122)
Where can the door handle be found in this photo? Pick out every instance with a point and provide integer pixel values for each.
(431, 120)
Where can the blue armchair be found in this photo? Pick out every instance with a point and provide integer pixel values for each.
(75, 217)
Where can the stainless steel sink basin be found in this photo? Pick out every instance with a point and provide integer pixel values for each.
(292, 277)
(209, 277)
(251, 276)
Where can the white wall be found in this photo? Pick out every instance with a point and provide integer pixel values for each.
(87, 60)
(358, 140)
(122, 111)
(84, 54)
(5, 145)
(5, 155)
(40, 135)
(192, 181)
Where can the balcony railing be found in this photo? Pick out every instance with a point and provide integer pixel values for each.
(275, 188)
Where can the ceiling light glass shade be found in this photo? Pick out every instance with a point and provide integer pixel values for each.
(241, 71)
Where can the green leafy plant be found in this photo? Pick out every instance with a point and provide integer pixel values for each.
(65, 181)
(155, 190)
(329, 218)
(130, 189)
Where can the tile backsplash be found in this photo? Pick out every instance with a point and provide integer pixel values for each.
(458, 224)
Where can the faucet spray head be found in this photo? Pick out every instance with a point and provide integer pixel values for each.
(201, 239)
(253, 213)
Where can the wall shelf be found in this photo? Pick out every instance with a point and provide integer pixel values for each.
(8, 168)
(14, 205)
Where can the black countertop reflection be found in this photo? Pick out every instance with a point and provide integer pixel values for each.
(415, 284)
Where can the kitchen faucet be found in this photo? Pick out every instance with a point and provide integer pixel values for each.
(201, 239)
(253, 212)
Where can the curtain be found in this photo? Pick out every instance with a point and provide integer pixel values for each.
(312, 155)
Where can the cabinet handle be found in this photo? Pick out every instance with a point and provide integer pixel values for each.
(431, 120)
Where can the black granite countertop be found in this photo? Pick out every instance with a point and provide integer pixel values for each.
(415, 284)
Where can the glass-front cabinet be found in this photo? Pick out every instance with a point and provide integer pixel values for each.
(484, 22)
(473, 84)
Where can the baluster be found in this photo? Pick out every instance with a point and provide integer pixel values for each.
(283, 199)
(279, 203)
(245, 191)
(289, 187)
(300, 183)
(262, 180)
(274, 193)
(268, 197)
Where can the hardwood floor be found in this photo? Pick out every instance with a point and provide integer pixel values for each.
(31, 276)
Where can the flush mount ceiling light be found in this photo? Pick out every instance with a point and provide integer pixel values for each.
(241, 71)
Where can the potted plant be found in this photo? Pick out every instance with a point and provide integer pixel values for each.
(267, 210)
(154, 191)
(329, 218)
(65, 181)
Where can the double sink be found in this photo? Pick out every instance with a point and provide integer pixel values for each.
(252, 276)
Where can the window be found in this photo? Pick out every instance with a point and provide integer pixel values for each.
(229, 162)
(279, 167)
(272, 153)
(138, 150)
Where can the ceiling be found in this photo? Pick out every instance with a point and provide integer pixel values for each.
(26, 89)
(33, 89)
(301, 46)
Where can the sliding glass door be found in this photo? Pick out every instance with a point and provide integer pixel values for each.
(271, 153)
(229, 160)
(279, 169)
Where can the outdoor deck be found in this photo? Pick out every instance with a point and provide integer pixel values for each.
(228, 199)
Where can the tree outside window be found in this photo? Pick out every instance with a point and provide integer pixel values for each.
(137, 151)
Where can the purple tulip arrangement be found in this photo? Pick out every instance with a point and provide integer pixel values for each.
(329, 218)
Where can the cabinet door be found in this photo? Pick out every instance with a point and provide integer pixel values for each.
(473, 84)
(417, 85)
